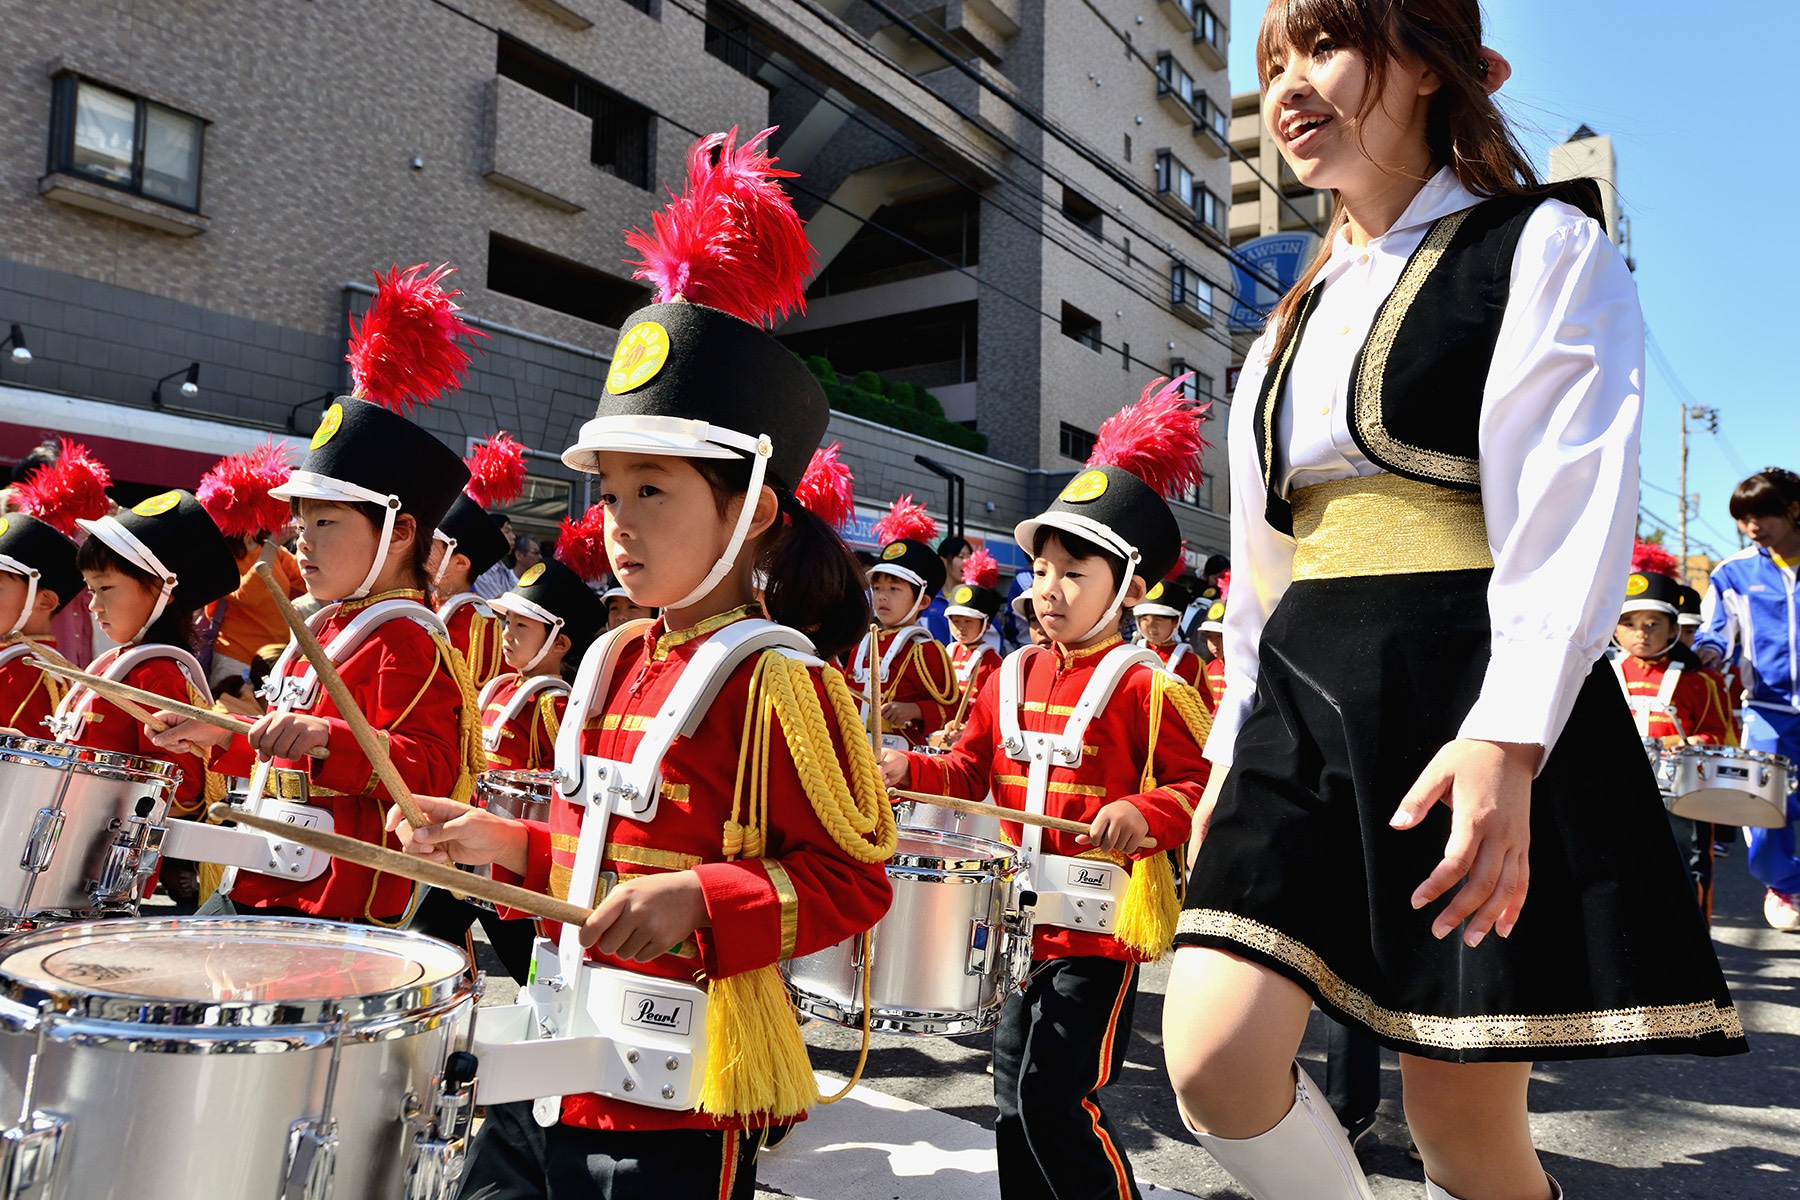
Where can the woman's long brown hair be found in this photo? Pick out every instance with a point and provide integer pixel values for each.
(1464, 128)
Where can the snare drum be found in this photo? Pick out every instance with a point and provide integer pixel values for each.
(914, 814)
(234, 1057)
(79, 829)
(1728, 785)
(522, 795)
(945, 955)
(1653, 750)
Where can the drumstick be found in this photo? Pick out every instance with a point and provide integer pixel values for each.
(962, 707)
(346, 704)
(130, 699)
(979, 808)
(419, 870)
(875, 698)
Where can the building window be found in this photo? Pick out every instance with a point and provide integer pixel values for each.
(623, 130)
(1209, 208)
(1128, 147)
(729, 38)
(125, 142)
(1208, 28)
(1189, 294)
(1200, 387)
(1173, 80)
(1074, 443)
(1082, 211)
(1125, 355)
(1078, 326)
(1212, 117)
(528, 273)
(1173, 180)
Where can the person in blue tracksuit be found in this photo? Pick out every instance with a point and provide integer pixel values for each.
(1749, 616)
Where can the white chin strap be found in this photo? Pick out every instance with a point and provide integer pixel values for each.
(9, 563)
(759, 466)
(125, 543)
(438, 535)
(391, 511)
(514, 603)
(919, 605)
(1118, 600)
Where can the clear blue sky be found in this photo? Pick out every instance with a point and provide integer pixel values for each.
(1708, 198)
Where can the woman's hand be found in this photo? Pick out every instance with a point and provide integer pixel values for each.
(647, 918)
(182, 736)
(1487, 787)
(1118, 827)
(896, 768)
(461, 834)
(899, 713)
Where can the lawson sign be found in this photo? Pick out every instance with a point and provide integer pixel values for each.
(1281, 257)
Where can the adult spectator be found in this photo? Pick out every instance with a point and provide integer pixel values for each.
(954, 551)
(499, 578)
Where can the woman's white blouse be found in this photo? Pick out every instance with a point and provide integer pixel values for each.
(1559, 458)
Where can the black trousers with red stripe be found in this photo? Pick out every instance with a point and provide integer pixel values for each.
(1059, 1041)
(515, 1158)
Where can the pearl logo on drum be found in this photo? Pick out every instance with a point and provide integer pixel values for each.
(648, 1011)
(1090, 877)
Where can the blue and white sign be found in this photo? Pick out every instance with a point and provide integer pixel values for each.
(1280, 256)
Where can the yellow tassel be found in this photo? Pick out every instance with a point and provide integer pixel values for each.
(756, 1064)
(1148, 912)
(210, 875)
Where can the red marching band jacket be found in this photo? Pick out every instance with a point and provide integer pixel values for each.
(525, 740)
(28, 696)
(1111, 768)
(802, 895)
(921, 674)
(475, 632)
(101, 725)
(1214, 690)
(985, 661)
(405, 685)
(1187, 663)
(1697, 706)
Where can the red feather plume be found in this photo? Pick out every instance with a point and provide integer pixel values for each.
(1224, 585)
(581, 544)
(496, 471)
(980, 569)
(828, 489)
(235, 493)
(1157, 439)
(1651, 558)
(906, 520)
(731, 240)
(70, 489)
(407, 349)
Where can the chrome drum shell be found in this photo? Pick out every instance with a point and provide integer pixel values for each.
(1728, 785)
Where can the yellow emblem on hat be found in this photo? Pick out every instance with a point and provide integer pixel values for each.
(1089, 485)
(1637, 585)
(964, 594)
(2, 526)
(328, 425)
(894, 551)
(156, 506)
(532, 574)
(1216, 612)
(641, 353)
(1154, 593)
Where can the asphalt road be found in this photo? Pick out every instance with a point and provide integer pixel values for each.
(1664, 1127)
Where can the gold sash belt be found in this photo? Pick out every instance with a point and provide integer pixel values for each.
(1386, 525)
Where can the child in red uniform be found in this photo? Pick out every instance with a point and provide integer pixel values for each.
(551, 617)
(1213, 629)
(1133, 771)
(917, 686)
(970, 611)
(464, 546)
(372, 487)
(705, 425)
(1158, 617)
(37, 577)
(148, 570)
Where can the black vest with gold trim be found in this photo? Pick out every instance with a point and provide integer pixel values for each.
(1416, 387)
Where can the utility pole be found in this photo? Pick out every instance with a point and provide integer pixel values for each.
(1698, 412)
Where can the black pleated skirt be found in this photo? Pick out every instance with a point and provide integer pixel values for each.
(1362, 681)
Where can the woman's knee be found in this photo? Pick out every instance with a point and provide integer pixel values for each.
(1230, 1031)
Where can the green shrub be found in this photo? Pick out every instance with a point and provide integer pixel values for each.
(895, 404)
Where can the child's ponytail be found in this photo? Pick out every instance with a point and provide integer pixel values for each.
(814, 583)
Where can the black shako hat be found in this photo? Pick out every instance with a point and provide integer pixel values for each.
(967, 600)
(1647, 591)
(468, 529)
(1116, 510)
(915, 563)
(364, 454)
(551, 593)
(694, 382)
(46, 559)
(171, 538)
(1213, 619)
(1687, 605)
(1169, 598)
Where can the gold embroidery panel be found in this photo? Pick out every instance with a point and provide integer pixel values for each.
(1386, 525)
(1499, 1030)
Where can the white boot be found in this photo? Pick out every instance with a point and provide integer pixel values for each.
(1434, 1192)
(1305, 1157)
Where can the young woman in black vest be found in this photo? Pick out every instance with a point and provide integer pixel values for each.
(1439, 823)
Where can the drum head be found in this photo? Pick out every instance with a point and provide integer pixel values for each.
(269, 966)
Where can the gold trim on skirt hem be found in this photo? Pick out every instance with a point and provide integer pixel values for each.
(1501, 1031)
(1386, 525)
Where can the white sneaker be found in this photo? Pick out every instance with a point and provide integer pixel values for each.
(1782, 911)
